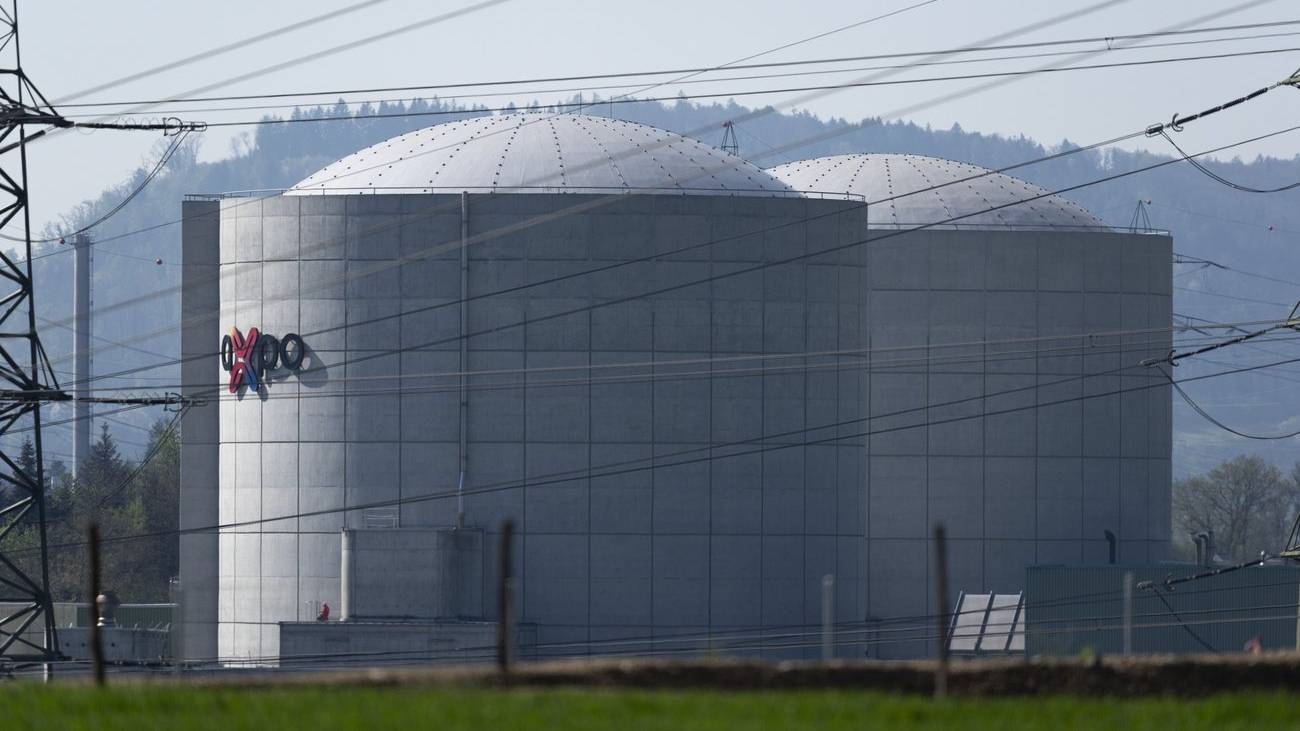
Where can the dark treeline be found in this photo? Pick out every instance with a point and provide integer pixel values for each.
(125, 498)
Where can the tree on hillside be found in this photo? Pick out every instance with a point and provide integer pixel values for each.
(1246, 502)
(102, 464)
(152, 502)
(27, 463)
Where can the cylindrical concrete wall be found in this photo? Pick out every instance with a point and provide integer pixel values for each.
(986, 378)
(1009, 403)
(704, 542)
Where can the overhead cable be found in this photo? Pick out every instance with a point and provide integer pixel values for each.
(217, 51)
(148, 178)
(1176, 124)
(782, 90)
(1109, 40)
(523, 93)
(873, 240)
(1292, 322)
(588, 473)
(1210, 418)
(1219, 178)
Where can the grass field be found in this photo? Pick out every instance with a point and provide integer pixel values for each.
(319, 709)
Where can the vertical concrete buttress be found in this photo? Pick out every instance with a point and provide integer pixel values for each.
(464, 358)
(200, 335)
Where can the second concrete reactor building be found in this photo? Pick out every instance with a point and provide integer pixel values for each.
(696, 387)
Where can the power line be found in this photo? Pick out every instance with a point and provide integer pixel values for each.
(162, 161)
(1290, 323)
(1105, 4)
(731, 66)
(590, 472)
(1022, 29)
(1249, 300)
(764, 92)
(1210, 418)
(658, 371)
(895, 367)
(744, 270)
(217, 51)
(1222, 180)
(1098, 6)
(805, 98)
(1189, 259)
(1176, 124)
(158, 443)
(324, 53)
(746, 58)
(714, 80)
(785, 260)
(669, 642)
(1198, 214)
(483, 237)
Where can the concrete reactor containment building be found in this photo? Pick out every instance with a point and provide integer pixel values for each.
(695, 387)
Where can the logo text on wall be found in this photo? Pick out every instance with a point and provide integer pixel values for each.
(250, 357)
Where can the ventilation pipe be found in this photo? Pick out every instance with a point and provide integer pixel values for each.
(1110, 540)
(81, 350)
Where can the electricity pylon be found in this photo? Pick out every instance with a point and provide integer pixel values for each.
(25, 373)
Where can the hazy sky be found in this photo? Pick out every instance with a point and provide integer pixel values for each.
(74, 44)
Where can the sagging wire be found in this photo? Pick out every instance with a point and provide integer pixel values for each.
(1156, 590)
(1210, 418)
(1169, 583)
(1292, 322)
(1176, 125)
(157, 168)
(158, 443)
(1222, 180)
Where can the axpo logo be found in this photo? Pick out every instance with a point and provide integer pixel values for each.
(249, 358)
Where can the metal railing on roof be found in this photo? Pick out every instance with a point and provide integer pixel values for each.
(1015, 226)
(554, 189)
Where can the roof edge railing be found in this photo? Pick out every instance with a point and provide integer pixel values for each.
(575, 190)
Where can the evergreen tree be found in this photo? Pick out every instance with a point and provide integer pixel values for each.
(27, 457)
(101, 466)
(27, 464)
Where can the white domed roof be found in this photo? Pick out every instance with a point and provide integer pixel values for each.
(909, 190)
(542, 153)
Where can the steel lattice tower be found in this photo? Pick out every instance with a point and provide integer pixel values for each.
(27, 378)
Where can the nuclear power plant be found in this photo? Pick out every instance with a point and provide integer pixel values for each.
(707, 396)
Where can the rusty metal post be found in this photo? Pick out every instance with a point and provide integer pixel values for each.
(96, 637)
(505, 623)
(941, 591)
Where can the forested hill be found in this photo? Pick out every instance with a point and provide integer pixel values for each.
(1246, 233)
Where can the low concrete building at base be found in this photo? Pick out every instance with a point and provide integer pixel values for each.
(1074, 610)
(695, 388)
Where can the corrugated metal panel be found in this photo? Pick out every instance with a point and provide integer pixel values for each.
(1071, 610)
